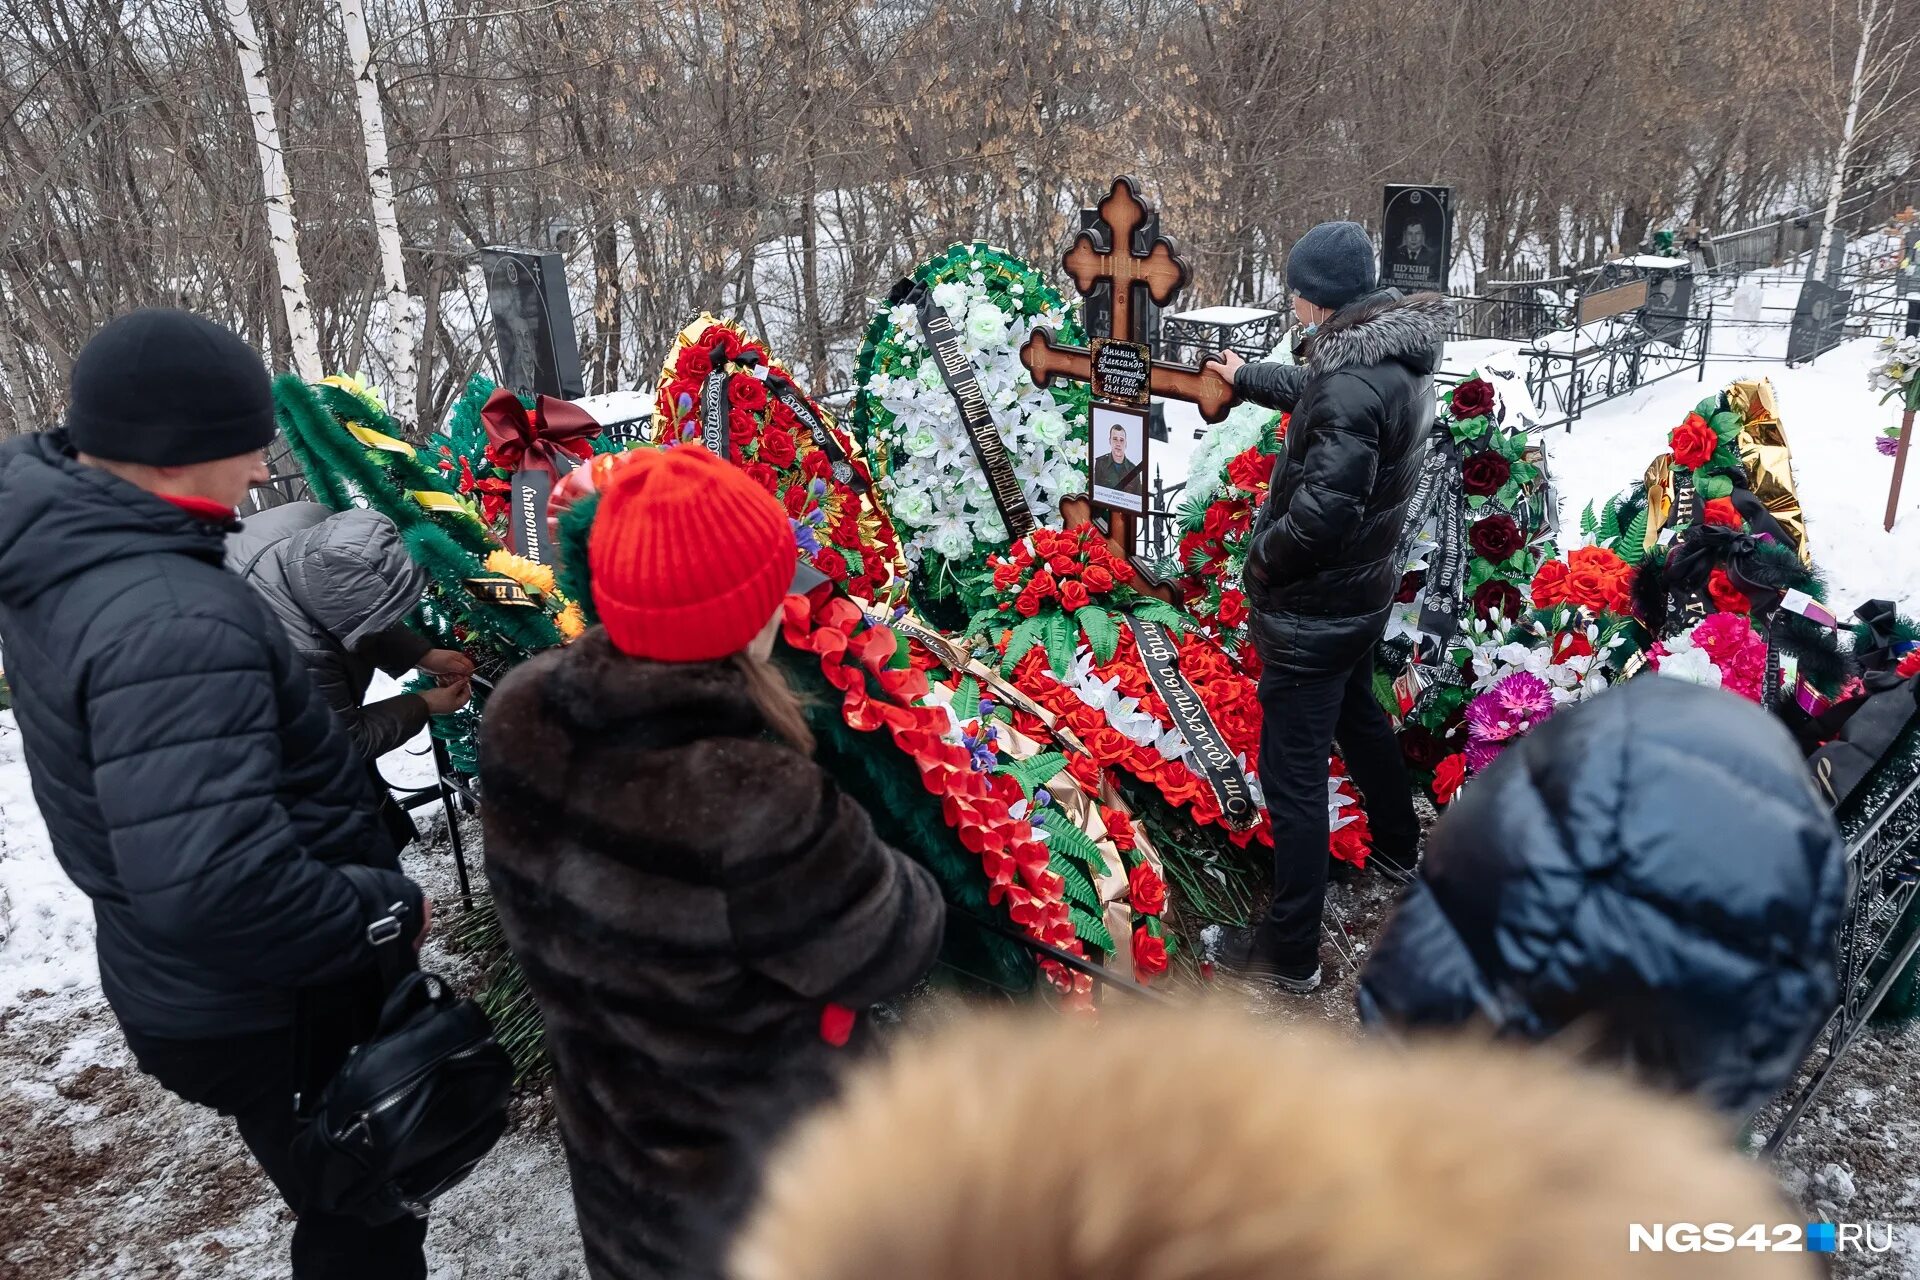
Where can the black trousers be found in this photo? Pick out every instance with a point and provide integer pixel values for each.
(253, 1079)
(1302, 720)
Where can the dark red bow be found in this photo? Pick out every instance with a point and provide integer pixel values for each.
(517, 440)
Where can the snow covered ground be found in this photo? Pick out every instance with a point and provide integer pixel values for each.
(104, 1175)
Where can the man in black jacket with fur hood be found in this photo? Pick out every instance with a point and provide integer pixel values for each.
(194, 784)
(1321, 572)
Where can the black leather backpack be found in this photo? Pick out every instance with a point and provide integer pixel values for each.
(411, 1111)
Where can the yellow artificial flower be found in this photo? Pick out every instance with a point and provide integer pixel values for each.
(571, 621)
(357, 386)
(531, 574)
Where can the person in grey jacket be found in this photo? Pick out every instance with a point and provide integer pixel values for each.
(341, 584)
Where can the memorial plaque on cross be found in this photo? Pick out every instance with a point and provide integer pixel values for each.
(1120, 263)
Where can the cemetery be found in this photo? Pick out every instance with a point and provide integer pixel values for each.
(1071, 507)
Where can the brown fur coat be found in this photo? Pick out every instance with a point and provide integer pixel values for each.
(1191, 1145)
(686, 896)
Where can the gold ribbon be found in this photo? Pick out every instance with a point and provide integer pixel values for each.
(379, 440)
(435, 500)
(1769, 460)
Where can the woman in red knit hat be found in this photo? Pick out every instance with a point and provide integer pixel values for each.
(697, 908)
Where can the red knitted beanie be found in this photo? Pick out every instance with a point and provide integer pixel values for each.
(689, 557)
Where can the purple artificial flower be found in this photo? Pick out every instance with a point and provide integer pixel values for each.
(986, 707)
(1481, 754)
(1887, 445)
(1526, 696)
(1512, 707)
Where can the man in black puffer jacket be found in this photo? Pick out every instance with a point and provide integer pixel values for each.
(1321, 572)
(195, 786)
(1652, 872)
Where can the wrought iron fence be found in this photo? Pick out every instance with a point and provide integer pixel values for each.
(1509, 316)
(1883, 848)
(1605, 361)
(1160, 535)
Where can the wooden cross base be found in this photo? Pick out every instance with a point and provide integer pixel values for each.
(1076, 511)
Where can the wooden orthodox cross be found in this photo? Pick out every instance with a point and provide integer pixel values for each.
(1120, 265)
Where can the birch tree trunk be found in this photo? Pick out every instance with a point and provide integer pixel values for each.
(281, 230)
(1829, 227)
(403, 311)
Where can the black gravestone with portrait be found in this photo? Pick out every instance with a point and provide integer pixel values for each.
(1416, 234)
(1819, 321)
(533, 323)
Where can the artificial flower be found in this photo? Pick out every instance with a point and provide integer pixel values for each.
(1447, 777)
(1550, 585)
(777, 448)
(744, 391)
(1472, 399)
(1146, 891)
(1496, 596)
(1721, 511)
(1693, 442)
(1484, 473)
(1149, 954)
(1727, 597)
(1496, 537)
(1482, 752)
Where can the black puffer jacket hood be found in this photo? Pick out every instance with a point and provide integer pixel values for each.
(1652, 872)
(193, 784)
(1322, 570)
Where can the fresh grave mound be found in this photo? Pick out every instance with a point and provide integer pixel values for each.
(906, 416)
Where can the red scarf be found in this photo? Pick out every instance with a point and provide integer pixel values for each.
(202, 508)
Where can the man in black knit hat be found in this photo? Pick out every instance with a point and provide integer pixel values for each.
(1321, 573)
(195, 786)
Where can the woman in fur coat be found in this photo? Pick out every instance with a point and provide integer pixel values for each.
(697, 908)
(1196, 1145)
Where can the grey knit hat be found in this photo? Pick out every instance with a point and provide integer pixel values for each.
(1332, 265)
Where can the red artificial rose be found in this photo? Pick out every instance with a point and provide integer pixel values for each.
(742, 426)
(1496, 537)
(794, 499)
(1550, 585)
(875, 564)
(1043, 584)
(1233, 608)
(1028, 604)
(1472, 399)
(861, 588)
(1410, 584)
(1447, 777)
(1250, 470)
(1149, 955)
(777, 448)
(746, 391)
(1571, 644)
(1146, 891)
(1097, 578)
(1214, 525)
(1063, 566)
(1600, 580)
(1721, 511)
(1495, 594)
(692, 363)
(1073, 596)
(1484, 473)
(834, 565)
(815, 465)
(1727, 598)
(765, 476)
(1693, 442)
(1119, 825)
(1909, 665)
(1006, 575)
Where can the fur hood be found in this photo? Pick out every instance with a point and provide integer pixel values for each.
(1197, 1145)
(1384, 326)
